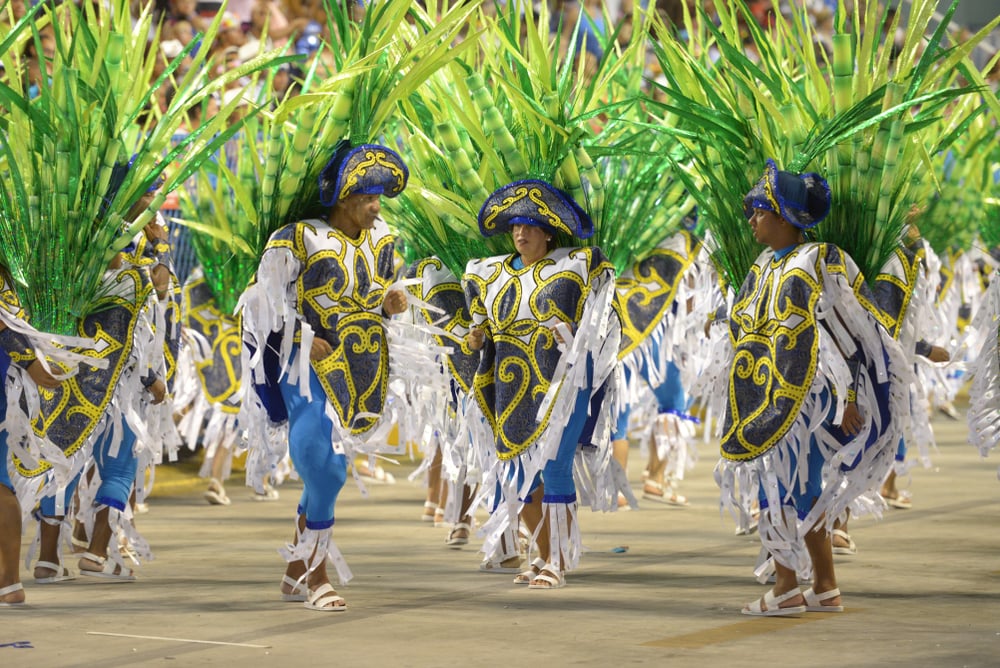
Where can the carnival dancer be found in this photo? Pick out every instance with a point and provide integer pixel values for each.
(906, 292)
(450, 491)
(543, 320)
(314, 325)
(663, 302)
(122, 437)
(20, 367)
(210, 381)
(814, 401)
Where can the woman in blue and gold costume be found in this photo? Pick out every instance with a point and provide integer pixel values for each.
(817, 392)
(549, 337)
(315, 329)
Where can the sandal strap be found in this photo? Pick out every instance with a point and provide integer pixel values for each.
(528, 575)
(10, 589)
(296, 585)
(774, 602)
(324, 594)
(48, 565)
(813, 599)
(553, 581)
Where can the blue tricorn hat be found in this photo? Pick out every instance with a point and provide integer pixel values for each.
(368, 169)
(801, 199)
(533, 202)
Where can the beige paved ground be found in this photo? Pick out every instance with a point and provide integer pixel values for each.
(923, 590)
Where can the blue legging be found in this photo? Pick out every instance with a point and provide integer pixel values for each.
(4, 476)
(117, 473)
(323, 471)
(557, 474)
(804, 499)
(669, 393)
(669, 396)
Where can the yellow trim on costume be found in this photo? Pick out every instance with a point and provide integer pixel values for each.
(223, 331)
(634, 290)
(369, 329)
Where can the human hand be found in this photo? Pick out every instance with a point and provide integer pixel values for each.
(38, 373)
(161, 280)
(938, 354)
(321, 349)
(395, 302)
(154, 231)
(556, 330)
(476, 338)
(159, 391)
(852, 421)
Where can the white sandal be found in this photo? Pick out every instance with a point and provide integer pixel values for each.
(429, 517)
(773, 605)
(10, 589)
(299, 593)
(458, 541)
(496, 566)
(555, 581)
(108, 569)
(320, 600)
(667, 494)
(814, 601)
(525, 577)
(850, 548)
(62, 574)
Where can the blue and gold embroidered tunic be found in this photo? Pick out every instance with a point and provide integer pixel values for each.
(517, 305)
(336, 286)
(647, 292)
(122, 333)
(217, 345)
(804, 337)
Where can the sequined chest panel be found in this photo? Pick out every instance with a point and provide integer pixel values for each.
(442, 289)
(774, 332)
(70, 412)
(894, 288)
(647, 292)
(218, 367)
(339, 291)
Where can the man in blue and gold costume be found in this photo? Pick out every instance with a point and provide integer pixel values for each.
(315, 330)
(817, 392)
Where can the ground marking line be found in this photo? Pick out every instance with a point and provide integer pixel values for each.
(203, 642)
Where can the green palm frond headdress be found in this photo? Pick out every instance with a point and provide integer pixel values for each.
(519, 112)
(272, 172)
(858, 131)
(59, 150)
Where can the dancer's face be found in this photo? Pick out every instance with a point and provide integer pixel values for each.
(531, 242)
(357, 213)
(772, 230)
